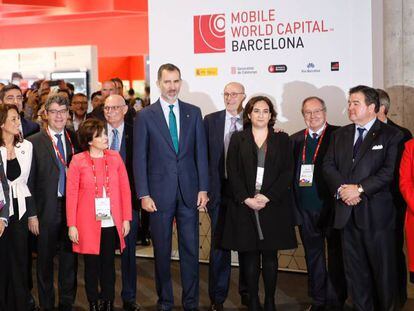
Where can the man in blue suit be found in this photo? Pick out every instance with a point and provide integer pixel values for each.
(219, 127)
(171, 178)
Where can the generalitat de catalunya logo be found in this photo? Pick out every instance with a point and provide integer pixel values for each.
(209, 33)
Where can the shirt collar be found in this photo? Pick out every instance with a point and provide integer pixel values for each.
(52, 132)
(319, 132)
(120, 128)
(367, 126)
(166, 105)
(238, 116)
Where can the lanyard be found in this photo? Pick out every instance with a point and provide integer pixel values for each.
(60, 156)
(106, 179)
(317, 147)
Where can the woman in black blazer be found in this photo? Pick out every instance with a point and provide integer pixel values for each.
(259, 219)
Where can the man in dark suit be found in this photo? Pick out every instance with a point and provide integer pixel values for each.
(400, 205)
(120, 138)
(171, 179)
(359, 170)
(316, 209)
(12, 94)
(53, 149)
(219, 127)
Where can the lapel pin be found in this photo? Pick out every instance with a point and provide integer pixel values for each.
(188, 116)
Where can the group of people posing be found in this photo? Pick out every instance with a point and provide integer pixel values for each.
(79, 194)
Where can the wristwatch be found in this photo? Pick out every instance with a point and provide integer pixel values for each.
(360, 189)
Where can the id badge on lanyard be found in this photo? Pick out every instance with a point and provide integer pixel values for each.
(103, 207)
(306, 175)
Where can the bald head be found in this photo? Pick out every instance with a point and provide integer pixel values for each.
(115, 109)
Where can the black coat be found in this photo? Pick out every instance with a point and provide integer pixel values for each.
(276, 219)
(328, 208)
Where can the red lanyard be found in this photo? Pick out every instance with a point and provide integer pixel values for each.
(317, 147)
(106, 180)
(60, 156)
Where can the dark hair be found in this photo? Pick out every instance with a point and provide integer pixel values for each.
(70, 86)
(4, 111)
(249, 108)
(89, 129)
(116, 79)
(94, 94)
(168, 67)
(370, 95)
(58, 99)
(7, 88)
(314, 98)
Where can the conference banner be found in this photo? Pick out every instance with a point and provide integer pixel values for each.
(287, 50)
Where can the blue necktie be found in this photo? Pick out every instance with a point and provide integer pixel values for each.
(173, 128)
(115, 140)
(358, 142)
(62, 174)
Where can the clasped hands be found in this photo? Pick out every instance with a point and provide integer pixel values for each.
(349, 194)
(258, 202)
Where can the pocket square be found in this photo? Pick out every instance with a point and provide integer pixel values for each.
(377, 147)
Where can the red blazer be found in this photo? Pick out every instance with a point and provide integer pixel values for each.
(80, 200)
(407, 191)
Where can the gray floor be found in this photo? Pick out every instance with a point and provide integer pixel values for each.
(291, 292)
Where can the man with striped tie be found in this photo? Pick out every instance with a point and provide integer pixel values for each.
(171, 179)
(120, 138)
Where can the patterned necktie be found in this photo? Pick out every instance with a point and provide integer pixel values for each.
(358, 142)
(115, 140)
(173, 128)
(315, 136)
(62, 174)
(232, 129)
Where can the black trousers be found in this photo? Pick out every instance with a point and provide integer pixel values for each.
(370, 267)
(100, 269)
(14, 292)
(252, 260)
(53, 240)
(326, 283)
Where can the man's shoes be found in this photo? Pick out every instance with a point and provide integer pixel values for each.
(216, 307)
(244, 299)
(94, 306)
(145, 242)
(131, 306)
(315, 308)
(107, 305)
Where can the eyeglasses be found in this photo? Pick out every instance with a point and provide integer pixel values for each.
(232, 94)
(315, 112)
(114, 108)
(57, 112)
(75, 103)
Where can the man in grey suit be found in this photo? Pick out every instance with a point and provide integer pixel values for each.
(359, 169)
(171, 179)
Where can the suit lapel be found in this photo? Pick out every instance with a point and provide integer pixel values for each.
(368, 140)
(161, 123)
(184, 124)
(220, 125)
(49, 147)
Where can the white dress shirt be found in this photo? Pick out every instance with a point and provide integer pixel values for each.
(111, 134)
(367, 127)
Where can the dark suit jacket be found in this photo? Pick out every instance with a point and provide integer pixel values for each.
(4, 211)
(327, 212)
(276, 219)
(158, 170)
(44, 175)
(214, 124)
(373, 168)
(29, 127)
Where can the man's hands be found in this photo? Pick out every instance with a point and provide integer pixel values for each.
(202, 200)
(350, 194)
(33, 224)
(148, 204)
(257, 203)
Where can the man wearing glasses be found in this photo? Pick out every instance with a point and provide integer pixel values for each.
(120, 138)
(219, 127)
(53, 149)
(12, 94)
(79, 106)
(315, 207)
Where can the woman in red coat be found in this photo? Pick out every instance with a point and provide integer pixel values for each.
(407, 190)
(98, 210)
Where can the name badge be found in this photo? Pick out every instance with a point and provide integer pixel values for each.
(306, 175)
(102, 208)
